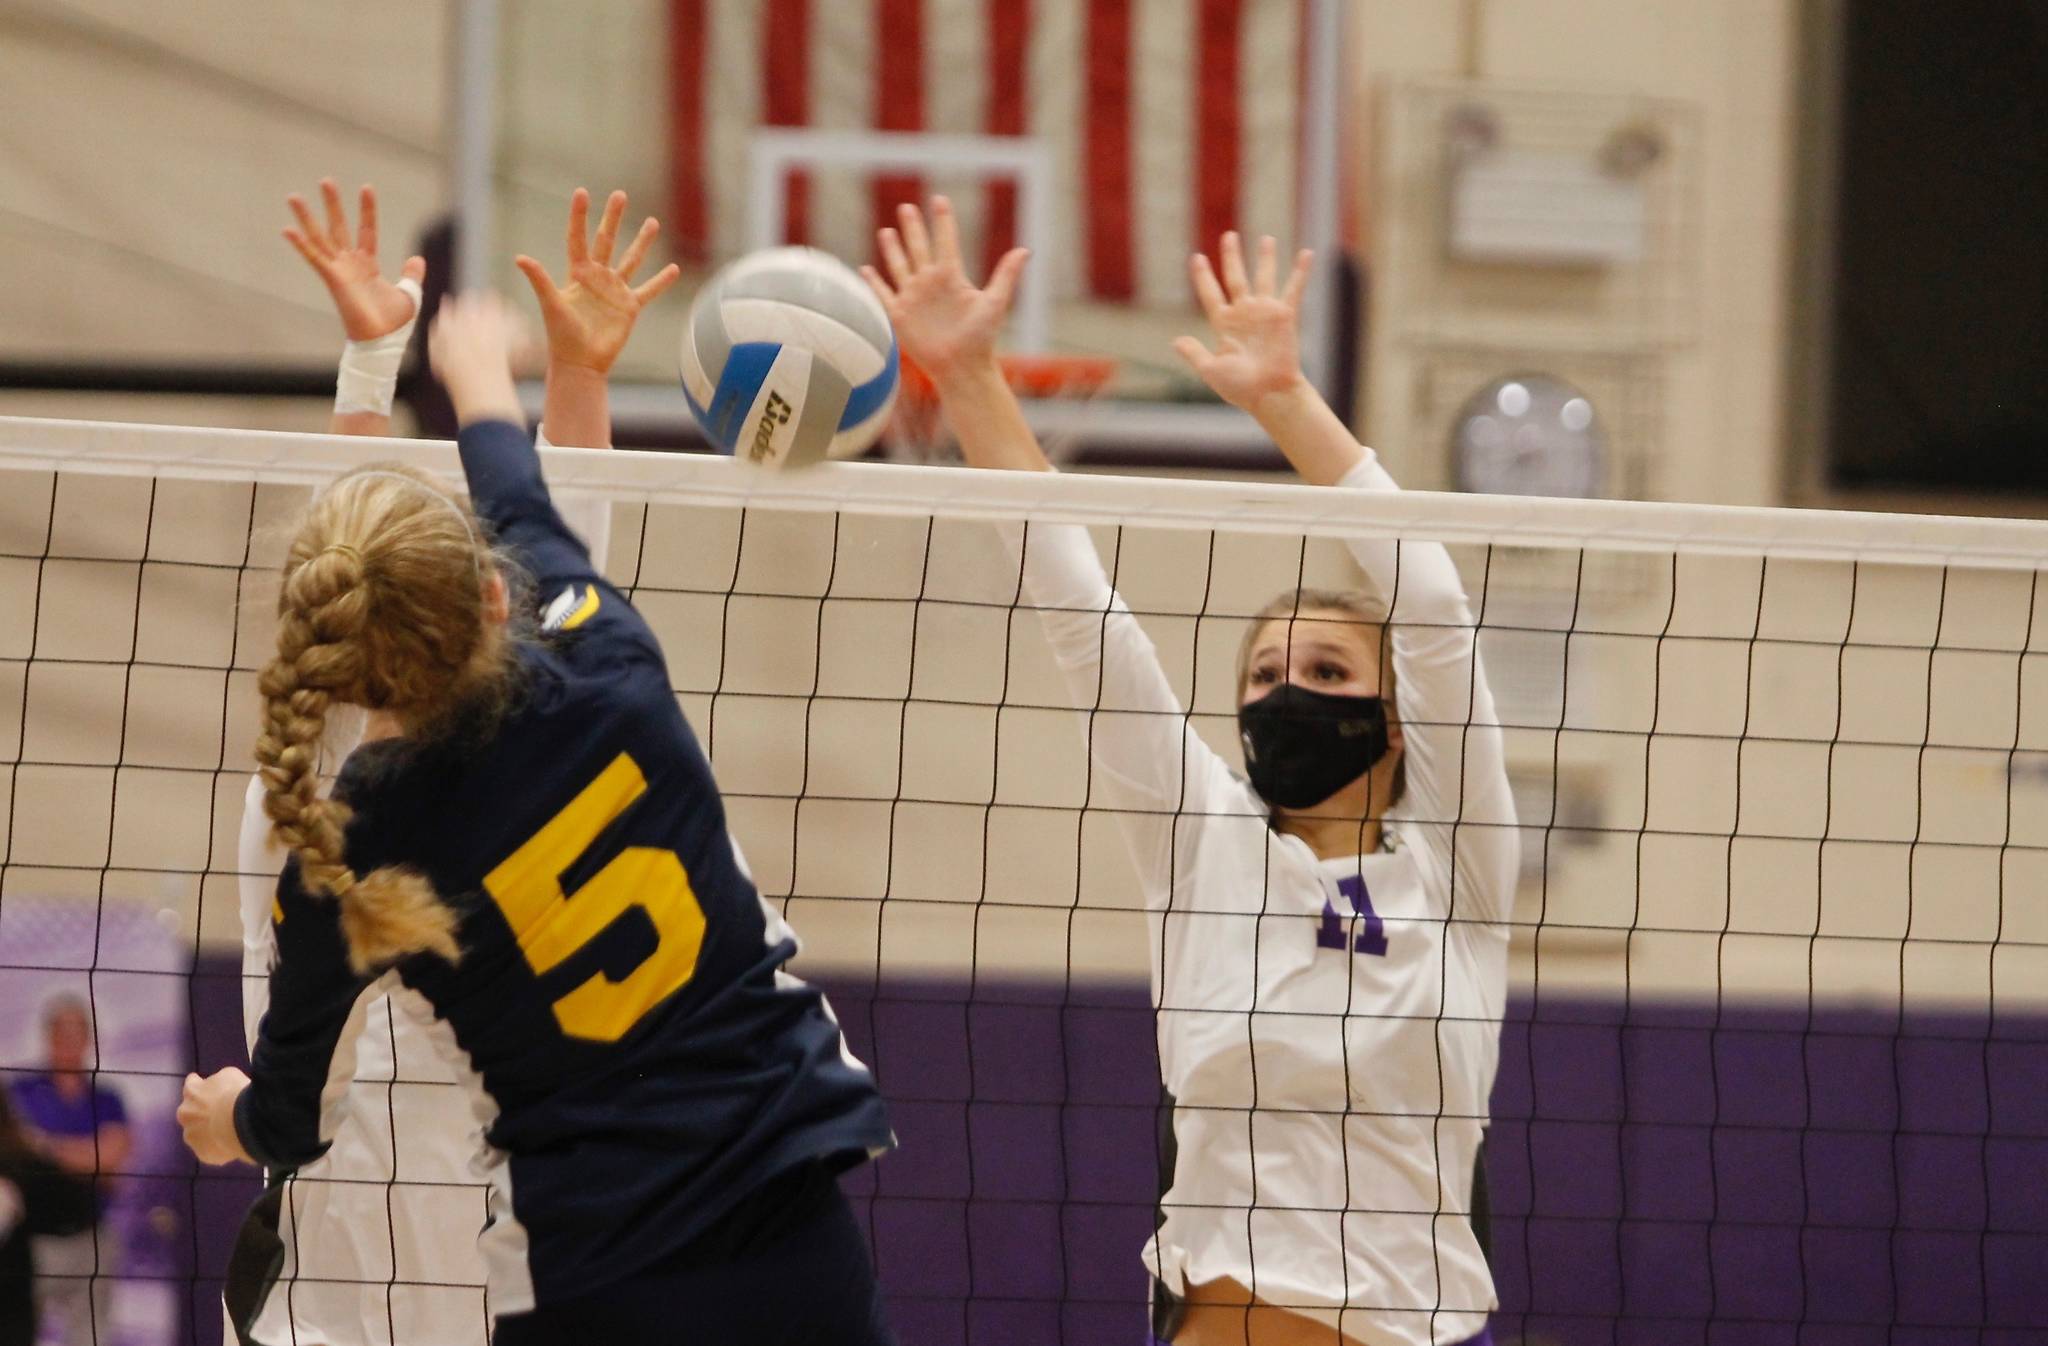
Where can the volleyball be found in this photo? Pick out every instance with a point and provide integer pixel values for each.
(788, 359)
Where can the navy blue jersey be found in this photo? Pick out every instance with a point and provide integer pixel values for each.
(638, 1058)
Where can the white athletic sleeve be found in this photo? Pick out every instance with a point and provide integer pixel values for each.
(1457, 767)
(1138, 732)
(257, 863)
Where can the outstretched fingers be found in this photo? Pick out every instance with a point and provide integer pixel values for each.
(337, 218)
(1234, 282)
(578, 236)
(1297, 280)
(1197, 355)
(366, 221)
(636, 251)
(945, 233)
(910, 220)
(472, 326)
(1266, 273)
(308, 238)
(648, 289)
(882, 289)
(314, 258)
(894, 257)
(608, 229)
(1002, 282)
(536, 276)
(1207, 289)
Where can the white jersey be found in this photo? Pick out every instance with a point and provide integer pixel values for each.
(1329, 1028)
(380, 1233)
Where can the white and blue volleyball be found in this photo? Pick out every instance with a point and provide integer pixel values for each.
(788, 359)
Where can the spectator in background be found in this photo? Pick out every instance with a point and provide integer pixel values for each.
(81, 1126)
(36, 1197)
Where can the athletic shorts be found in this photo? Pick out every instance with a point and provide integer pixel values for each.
(789, 1265)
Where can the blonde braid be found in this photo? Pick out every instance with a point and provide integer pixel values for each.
(327, 650)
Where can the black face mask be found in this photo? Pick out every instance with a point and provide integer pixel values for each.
(1301, 747)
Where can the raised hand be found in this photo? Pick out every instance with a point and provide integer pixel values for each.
(471, 345)
(370, 306)
(942, 321)
(589, 319)
(1256, 328)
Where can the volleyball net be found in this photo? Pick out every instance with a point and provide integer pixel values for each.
(1775, 1053)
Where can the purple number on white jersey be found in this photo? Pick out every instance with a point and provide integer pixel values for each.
(1371, 939)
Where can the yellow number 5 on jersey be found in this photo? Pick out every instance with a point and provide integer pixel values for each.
(551, 924)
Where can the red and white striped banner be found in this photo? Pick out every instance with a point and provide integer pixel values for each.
(1169, 121)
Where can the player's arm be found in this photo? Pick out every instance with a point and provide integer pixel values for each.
(377, 315)
(1456, 756)
(949, 327)
(274, 1115)
(470, 346)
(1139, 734)
(588, 322)
(1457, 770)
(590, 318)
(1255, 366)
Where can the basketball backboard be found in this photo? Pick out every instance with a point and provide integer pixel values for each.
(1111, 166)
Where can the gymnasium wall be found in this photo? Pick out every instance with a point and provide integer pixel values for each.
(1731, 66)
(140, 216)
(143, 186)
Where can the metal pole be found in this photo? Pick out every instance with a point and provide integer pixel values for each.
(1322, 104)
(1033, 331)
(473, 156)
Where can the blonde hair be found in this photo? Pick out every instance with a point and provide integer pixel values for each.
(383, 606)
(1355, 604)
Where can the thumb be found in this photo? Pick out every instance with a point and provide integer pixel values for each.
(1002, 284)
(536, 276)
(885, 296)
(414, 270)
(1197, 356)
(648, 289)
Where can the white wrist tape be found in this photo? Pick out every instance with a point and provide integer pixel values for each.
(369, 369)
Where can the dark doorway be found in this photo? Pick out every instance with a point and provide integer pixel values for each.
(1940, 322)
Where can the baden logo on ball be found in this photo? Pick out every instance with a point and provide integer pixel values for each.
(788, 359)
(777, 414)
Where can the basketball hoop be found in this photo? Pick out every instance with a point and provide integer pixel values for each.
(917, 431)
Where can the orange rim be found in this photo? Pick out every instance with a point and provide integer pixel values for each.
(1029, 375)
